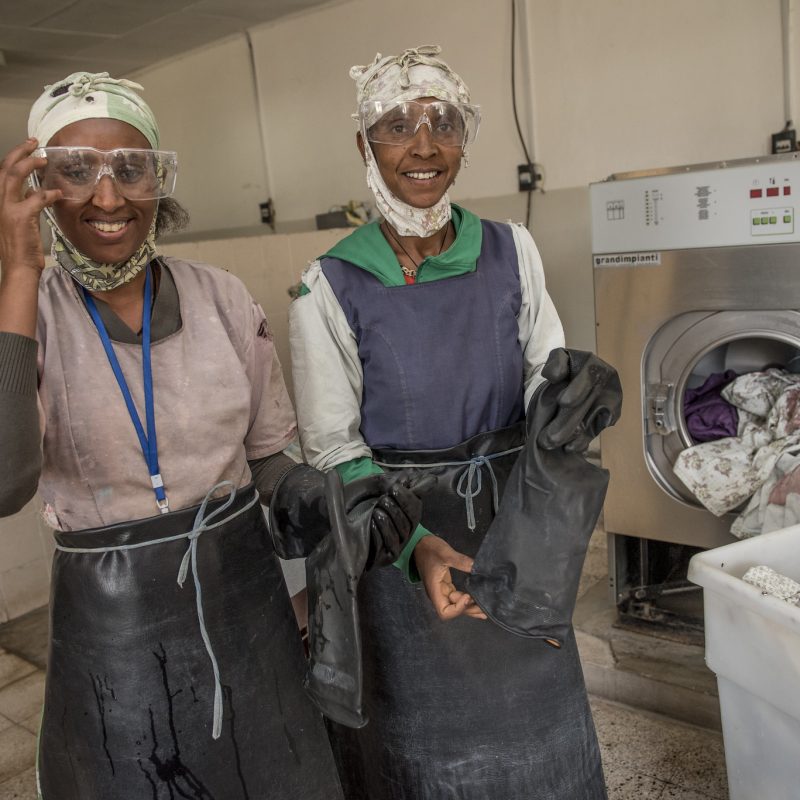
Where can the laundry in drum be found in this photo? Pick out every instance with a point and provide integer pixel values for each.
(708, 414)
(744, 421)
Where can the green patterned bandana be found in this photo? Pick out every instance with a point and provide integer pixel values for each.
(95, 276)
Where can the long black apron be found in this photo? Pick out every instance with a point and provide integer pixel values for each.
(130, 699)
(463, 710)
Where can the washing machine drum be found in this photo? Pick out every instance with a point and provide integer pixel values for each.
(683, 353)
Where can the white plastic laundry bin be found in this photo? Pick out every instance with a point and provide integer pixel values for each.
(753, 646)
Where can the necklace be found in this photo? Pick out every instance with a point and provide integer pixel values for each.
(412, 273)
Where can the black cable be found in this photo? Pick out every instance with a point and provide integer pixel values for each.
(514, 106)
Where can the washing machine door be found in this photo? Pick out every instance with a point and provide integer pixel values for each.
(683, 353)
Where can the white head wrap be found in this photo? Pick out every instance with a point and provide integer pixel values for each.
(86, 95)
(412, 74)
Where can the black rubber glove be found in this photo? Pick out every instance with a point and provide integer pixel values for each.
(590, 402)
(299, 518)
(526, 571)
(365, 531)
(393, 517)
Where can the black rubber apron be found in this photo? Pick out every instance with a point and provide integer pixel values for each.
(130, 699)
(463, 710)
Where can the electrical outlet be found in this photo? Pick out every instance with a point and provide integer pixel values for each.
(785, 141)
(526, 177)
(267, 212)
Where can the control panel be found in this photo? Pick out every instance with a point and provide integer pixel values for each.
(733, 203)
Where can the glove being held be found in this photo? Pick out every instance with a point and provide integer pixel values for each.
(590, 401)
(299, 515)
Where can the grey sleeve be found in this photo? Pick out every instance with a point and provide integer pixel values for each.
(20, 435)
(268, 471)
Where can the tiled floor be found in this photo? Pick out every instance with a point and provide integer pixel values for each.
(646, 756)
(21, 691)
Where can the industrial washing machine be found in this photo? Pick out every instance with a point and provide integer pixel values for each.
(696, 270)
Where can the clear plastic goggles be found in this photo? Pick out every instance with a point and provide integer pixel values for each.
(138, 174)
(450, 124)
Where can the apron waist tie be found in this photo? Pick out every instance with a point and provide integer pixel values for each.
(202, 523)
(470, 482)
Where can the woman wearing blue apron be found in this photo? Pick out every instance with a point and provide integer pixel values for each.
(421, 340)
(143, 396)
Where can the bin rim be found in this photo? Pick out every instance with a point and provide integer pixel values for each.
(713, 570)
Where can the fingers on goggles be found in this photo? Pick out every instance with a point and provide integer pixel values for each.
(138, 174)
(450, 124)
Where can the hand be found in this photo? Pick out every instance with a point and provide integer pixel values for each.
(20, 206)
(434, 559)
(590, 400)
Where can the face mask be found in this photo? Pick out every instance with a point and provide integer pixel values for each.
(405, 219)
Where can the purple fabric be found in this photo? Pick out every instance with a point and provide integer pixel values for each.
(708, 415)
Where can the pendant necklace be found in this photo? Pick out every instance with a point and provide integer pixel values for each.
(412, 273)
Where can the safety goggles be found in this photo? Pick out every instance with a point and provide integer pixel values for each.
(450, 124)
(138, 174)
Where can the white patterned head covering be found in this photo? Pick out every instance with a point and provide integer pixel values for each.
(415, 73)
(87, 95)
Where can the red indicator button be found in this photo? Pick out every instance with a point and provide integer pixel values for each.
(772, 191)
(755, 193)
(787, 189)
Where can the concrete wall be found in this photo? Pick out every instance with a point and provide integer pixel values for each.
(13, 123)
(26, 549)
(268, 265)
(615, 85)
(206, 110)
(631, 84)
(612, 85)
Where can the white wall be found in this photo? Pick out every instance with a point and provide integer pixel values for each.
(618, 85)
(794, 58)
(631, 84)
(13, 123)
(308, 109)
(206, 110)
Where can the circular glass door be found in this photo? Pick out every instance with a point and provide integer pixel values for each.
(683, 353)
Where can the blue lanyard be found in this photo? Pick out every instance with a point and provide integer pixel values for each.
(148, 442)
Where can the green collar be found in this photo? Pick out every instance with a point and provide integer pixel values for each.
(367, 248)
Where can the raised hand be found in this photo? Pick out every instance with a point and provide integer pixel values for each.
(21, 254)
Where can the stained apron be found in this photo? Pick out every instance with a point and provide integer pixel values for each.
(462, 709)
(129, 708)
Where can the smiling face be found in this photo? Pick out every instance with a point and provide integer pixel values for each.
(420, 171)
(107, 227)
